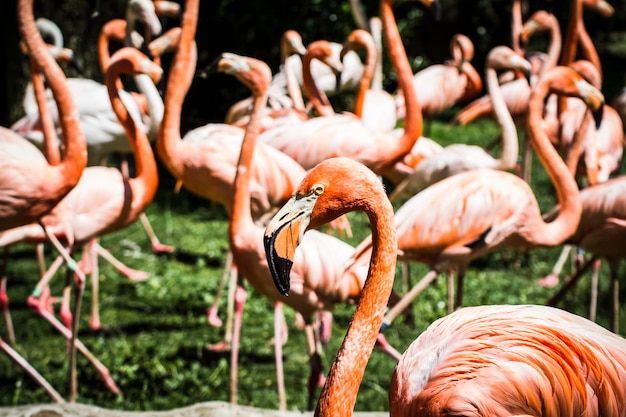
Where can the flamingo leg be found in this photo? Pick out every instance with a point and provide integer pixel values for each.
(569, 283)
(79, 286)
(460, 278)
(316, 377)
(279, 324)
(23, 363)
(157, 246)
(552, 279)
(212, 316)
(4, 299)
(94, 321)
(406, 300)
(452, 302)
(240, 301)
(132, 274)
(228, 333)
(593, 302)
(614, 267)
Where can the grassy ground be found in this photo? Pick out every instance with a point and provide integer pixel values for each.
(155, 332)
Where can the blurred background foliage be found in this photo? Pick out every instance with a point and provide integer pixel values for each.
(255, 28)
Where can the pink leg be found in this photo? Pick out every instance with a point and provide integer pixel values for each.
(240, 301)
(316, 376)
(132, 274)
(94, 320)
(79, 286)
(212, 316)
(4, 300)
(157, 246)
(23, 363)
(325, 319)
(67, 333)
(232, 294)
(552, 279)
(279, 326)
(385, 346)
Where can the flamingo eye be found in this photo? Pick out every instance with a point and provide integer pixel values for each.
(318, 189)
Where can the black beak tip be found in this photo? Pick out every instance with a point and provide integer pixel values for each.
(598, 115)
(280, 268)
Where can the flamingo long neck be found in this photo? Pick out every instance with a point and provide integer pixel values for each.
(516, 26)
(155, 103)
(317, 97)
(554, 48)
(465, 52)
(344, 379)
(112, 30)
(376, 29)
(587, 47)
(568, 53)
(293, 87)
(241, 217)
(510, 142)
(50, 139)
(72, 139)
(144, 185)
(564, 225)
(371, 57)
(169, 140)
(413, 121)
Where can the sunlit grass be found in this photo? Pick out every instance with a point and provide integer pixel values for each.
(155, 332)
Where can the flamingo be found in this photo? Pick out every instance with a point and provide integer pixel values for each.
(103, 200)
(486, 360)
(441, 86)
(482, 210)
(457, 158)
(602, 226)
(322, 137)
(320, 286)
(30, 187)
(283, 106)
(373, 105)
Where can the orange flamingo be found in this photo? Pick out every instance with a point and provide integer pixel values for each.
(375, 106)
(282, 106)
(457, 158)
(441, 86)
(483, 210)
(345, 134)
(601, 229)
(30, 187)
(319, 284)
(486, 360)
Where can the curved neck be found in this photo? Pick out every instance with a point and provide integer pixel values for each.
(413, 121)
(555, 46)
(516, 26)
(241, 216)
(72, 138)
(587, 47)
(376, 29)
(154, 100)
(144, 185)
(317, 97)
(566, 222)
(510, 143)
(571, 35)
(179, 81)
(50, 139)
(344, 379)
(369, 68)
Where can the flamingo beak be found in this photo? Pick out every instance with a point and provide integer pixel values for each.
(598, 115)
(282, 236)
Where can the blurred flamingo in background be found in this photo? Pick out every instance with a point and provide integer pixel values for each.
(319, 284)
(375, 106)
(433, 377)
(346, 135)
(441, 86)
(482, 210)
(457, 158)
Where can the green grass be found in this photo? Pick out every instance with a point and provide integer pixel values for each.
(155, 332)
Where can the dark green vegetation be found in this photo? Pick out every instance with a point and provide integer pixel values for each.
(155, 332)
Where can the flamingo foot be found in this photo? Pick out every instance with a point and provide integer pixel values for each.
(108, 380)
(326, 325)
(85, 266)
(222, 346)
(134, 274)
(159, 248)
(550, 281)
(94, 323)
(212, 317)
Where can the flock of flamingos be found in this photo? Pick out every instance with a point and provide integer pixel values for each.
(285, 163)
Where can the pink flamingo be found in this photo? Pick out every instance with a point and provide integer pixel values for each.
(457, 158)
(319, 284)
(485, 360)
(482, 210)
(441, 86)
(345, 134)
